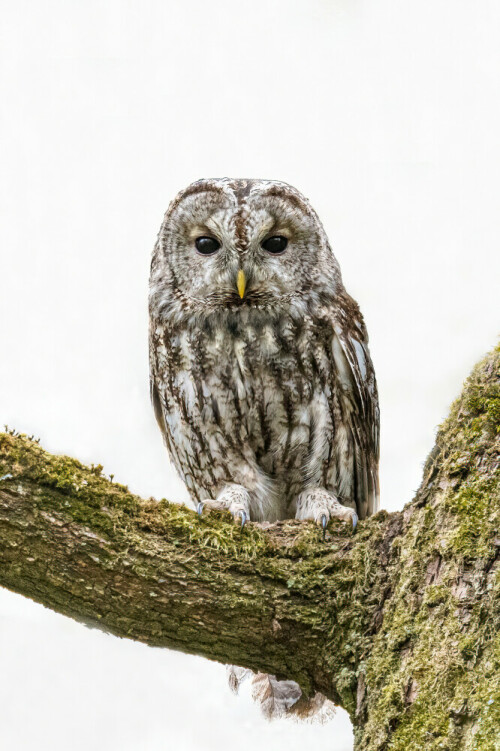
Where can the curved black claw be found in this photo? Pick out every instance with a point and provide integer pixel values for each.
(243, 518)
(199, 508)
(354, 520)
(324, 522)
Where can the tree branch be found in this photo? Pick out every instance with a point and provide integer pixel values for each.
(398, 623)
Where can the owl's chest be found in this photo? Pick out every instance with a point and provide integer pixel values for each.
(249, 386)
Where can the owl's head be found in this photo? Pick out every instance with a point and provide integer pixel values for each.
(240, 244)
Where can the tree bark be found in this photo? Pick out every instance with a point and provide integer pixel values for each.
(398, 623)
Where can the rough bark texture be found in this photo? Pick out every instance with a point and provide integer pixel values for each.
(399, 623)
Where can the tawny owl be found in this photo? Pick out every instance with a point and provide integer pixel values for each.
(261, 378)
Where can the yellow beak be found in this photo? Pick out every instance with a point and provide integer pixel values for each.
(241, 282)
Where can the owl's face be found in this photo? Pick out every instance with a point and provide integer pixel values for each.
(241, 244)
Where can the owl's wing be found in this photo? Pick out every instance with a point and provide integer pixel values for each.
(355, 368)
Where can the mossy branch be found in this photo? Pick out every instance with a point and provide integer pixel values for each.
(398, 623)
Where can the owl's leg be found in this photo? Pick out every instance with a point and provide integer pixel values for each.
(234, 498)
(320, 505)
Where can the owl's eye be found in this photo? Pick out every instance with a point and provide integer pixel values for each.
(275, 244)
(207, 245)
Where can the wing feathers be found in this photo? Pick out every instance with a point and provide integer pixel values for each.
(363, 415)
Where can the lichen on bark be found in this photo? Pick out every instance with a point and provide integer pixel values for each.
(398, 623)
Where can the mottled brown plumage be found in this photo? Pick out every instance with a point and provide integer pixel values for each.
(266, 400)
(275, 392)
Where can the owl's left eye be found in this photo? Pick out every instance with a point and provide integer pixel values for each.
(207, 245)
(275, 244)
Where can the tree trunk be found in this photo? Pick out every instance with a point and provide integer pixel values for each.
(398, 623)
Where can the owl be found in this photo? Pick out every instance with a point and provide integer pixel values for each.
(260, 374)
(261, 378)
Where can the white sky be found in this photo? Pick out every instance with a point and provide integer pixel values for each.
(385, 114)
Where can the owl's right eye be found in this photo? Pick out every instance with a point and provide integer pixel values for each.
(207, 246)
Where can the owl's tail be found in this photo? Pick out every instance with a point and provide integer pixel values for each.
(281, 698)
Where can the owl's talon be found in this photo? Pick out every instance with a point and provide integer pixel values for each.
(199, 508)
(354, 520)
(243, 517)
(324, 522)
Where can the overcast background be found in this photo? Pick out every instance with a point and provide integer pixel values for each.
(386, 114)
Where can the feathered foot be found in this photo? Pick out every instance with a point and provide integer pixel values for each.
(321, 506)
(234, 498)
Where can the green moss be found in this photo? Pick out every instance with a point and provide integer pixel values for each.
(483, 404)
(215, 530)
(476, 510)
(435, 595)
(487, 726)
(93, 500)
(434, 670)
